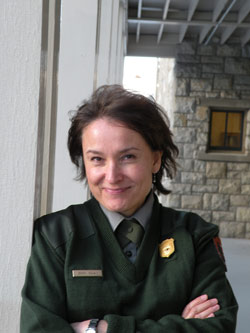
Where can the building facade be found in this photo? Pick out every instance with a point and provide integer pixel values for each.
(212, 181)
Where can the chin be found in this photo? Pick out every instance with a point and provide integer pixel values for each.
(116, 206)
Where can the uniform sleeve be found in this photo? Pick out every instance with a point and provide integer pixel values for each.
(209, 278)
(44, 305)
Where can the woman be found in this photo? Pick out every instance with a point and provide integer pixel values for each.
(121, 262)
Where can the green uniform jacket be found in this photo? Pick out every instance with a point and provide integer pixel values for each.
(148, 296)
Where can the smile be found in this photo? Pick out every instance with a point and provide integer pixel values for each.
(115, 190)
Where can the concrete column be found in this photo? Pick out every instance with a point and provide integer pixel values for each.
(91, 54)
(20, 51)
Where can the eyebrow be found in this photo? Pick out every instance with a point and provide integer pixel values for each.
(92, 151)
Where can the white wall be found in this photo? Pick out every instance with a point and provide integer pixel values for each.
(91, 54)
(20, 38)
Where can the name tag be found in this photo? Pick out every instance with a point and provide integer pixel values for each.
(87, 273)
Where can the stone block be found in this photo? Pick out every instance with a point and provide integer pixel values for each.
(247, 142)
(248, 115)
(206, 50)
(223, 82)
(180, 147)
(207, 76)
(185, 104)
(246, 51)
(184, 135)
(229, 186)
(181, 188)
(243, 88)
(212, 60)
(182, 87)
(212, 94)
(212, 182)
(207, 201)
(242, 79)
(228, 51)
(230, 94)
(187, 70)
(235, 166)
(192, 178)
(204, 127)
(177, 177)
(223, 216)
(180, 120)
(205, 188)
(190, 116)
(201, 113)
(234, 175)
(243, 214)
(173, 200)
(245, 189)
(232, 230)
(188, 150)
(197, 94)
(188, 58)
(202, 85)
(216, 170)
(247, 235)
(220, 202)
(193, 123)
(202, 138)
(245, 95)
(212, 68)
(245, 178)
(186, 164)
(237, 66)
(191, 202)
(199, 166)
(239, 200)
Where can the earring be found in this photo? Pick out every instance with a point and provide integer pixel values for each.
(154, 178)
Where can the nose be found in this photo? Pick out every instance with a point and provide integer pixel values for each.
(113, 173)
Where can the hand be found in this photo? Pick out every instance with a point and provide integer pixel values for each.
(201, 307)
(81, 326)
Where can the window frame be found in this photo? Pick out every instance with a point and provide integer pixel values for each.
(225, 148)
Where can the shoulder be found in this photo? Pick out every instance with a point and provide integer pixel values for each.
(195, 225)
(57, 227)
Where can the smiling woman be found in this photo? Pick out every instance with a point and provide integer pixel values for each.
(121, 262)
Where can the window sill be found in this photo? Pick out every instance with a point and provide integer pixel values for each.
(224, 157)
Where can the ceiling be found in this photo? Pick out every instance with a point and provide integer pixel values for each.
(154, 27)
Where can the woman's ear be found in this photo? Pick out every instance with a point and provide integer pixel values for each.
(157, 161)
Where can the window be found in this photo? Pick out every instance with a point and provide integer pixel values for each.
(226, 130)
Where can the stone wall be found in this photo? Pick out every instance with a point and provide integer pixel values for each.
(216, 186)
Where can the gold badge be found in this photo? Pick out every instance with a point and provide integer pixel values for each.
(166, 248)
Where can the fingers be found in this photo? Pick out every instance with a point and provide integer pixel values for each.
(201, 307)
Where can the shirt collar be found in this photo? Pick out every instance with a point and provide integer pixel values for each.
(142, 215)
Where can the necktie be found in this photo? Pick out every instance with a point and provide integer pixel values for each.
(129, 231)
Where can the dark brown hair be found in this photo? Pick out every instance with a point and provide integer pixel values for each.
(136, 112)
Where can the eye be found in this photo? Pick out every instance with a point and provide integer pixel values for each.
(96, 159)
(128, 157)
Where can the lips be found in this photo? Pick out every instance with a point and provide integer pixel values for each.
(115, 190)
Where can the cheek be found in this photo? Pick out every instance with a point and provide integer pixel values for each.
(93, 175)
(142, 174)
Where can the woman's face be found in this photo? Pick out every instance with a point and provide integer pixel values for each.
(119, 165)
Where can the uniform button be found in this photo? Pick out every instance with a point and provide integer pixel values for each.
(128, 254)
(130, 229)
